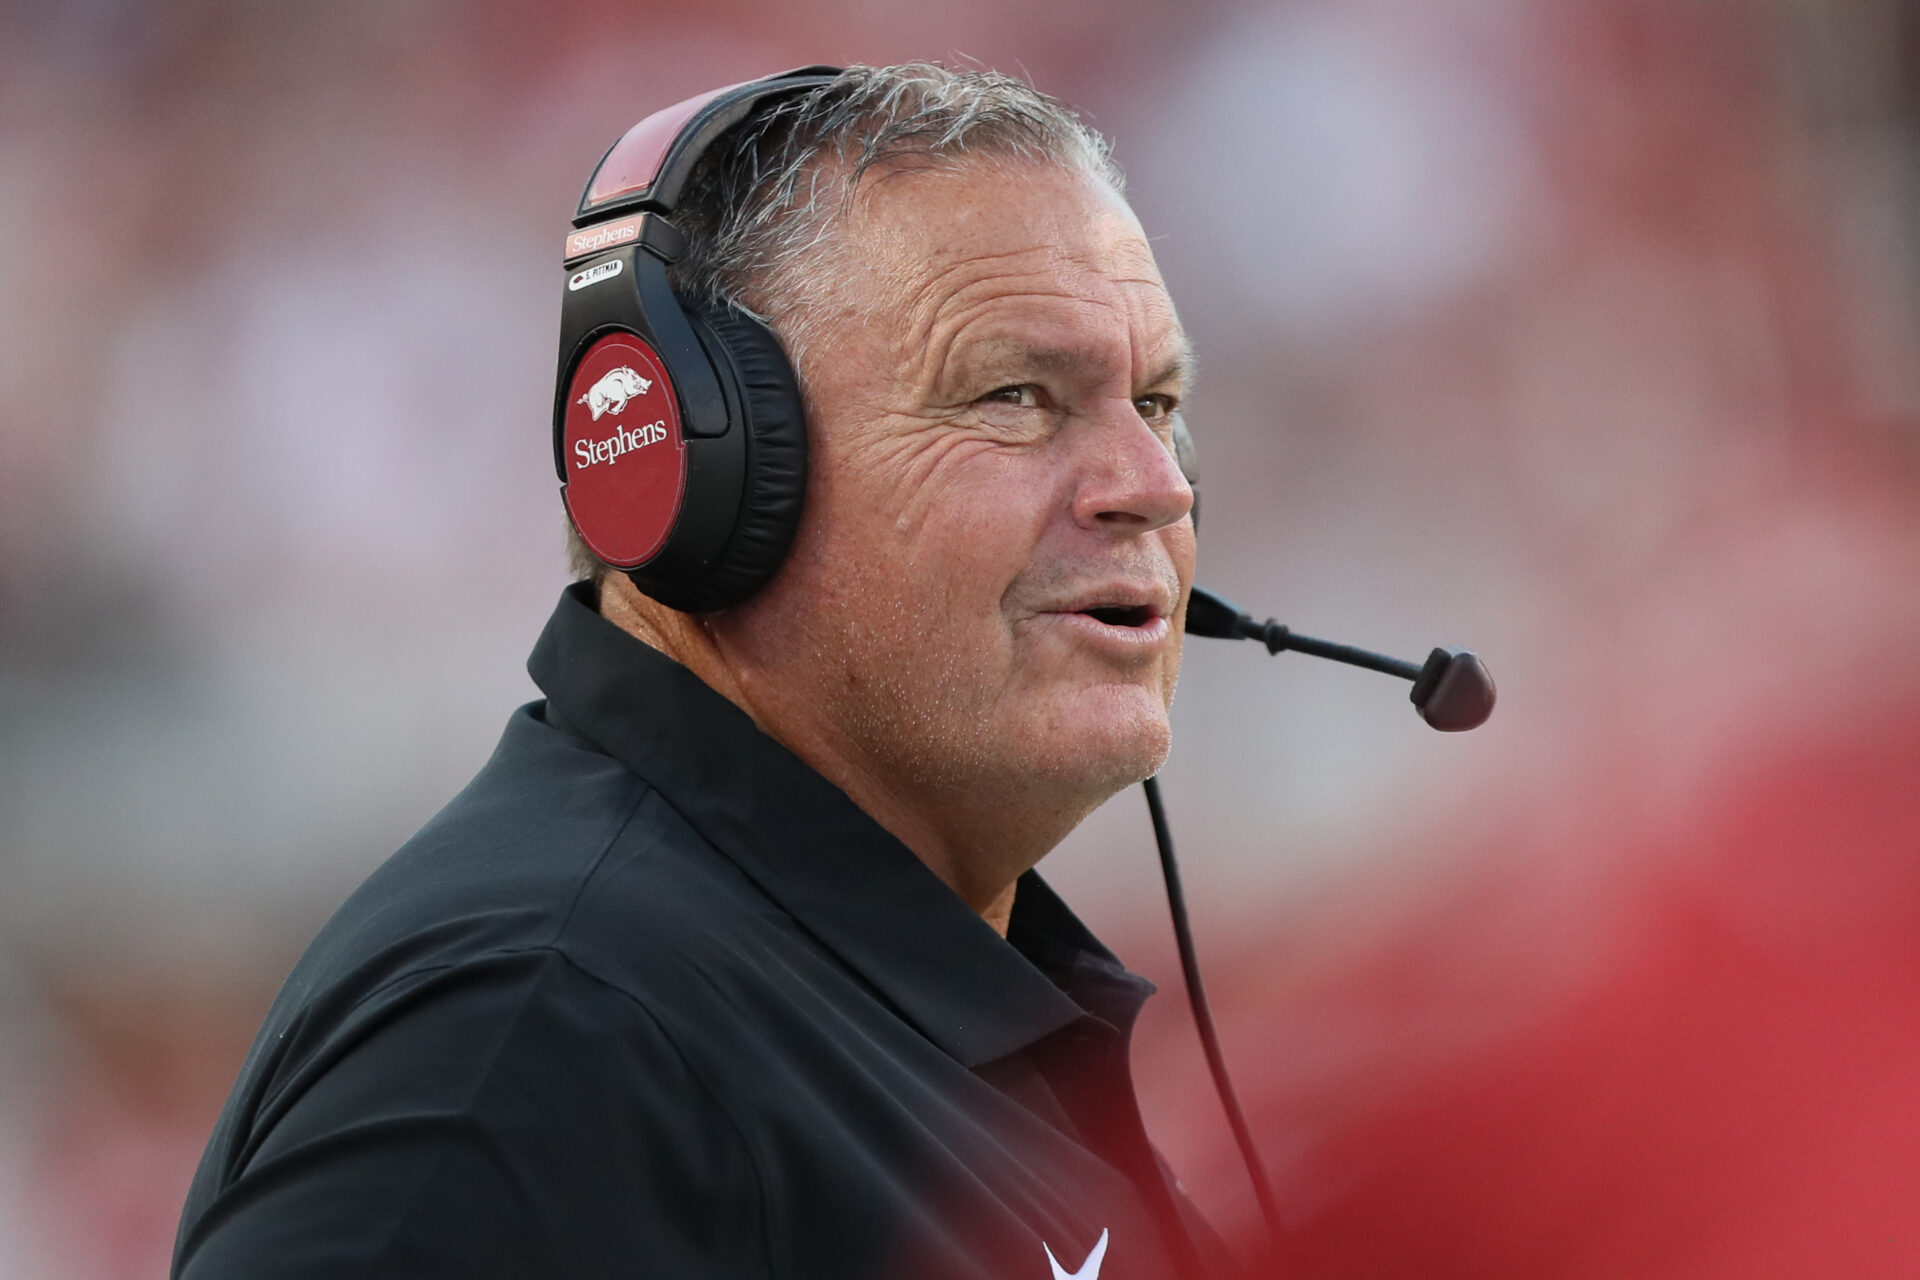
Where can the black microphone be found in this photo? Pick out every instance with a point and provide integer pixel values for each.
(1452, 689)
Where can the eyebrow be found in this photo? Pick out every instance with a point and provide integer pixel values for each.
(1079, 361)
(1181, 367)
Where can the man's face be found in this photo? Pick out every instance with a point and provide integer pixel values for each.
(987, 592)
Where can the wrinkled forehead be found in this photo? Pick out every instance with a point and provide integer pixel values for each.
(923, 244)
(934, 216)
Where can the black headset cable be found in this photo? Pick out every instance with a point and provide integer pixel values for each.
(1203, 1015)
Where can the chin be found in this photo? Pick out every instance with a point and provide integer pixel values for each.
(1100, 745)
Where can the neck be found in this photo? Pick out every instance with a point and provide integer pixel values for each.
(978, 847)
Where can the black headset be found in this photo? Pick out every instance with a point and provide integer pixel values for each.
(678, 431)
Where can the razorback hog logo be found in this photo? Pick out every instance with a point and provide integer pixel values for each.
(611, 393)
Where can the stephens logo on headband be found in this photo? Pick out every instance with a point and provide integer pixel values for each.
(606, 236)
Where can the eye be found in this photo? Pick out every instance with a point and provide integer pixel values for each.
(1154, 408)
(1024, 395)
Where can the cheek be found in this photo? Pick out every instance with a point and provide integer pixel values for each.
(1183, 546)
(961, 521)
(983, 541)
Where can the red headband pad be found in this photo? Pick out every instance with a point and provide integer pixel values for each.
(647, 167)
(635, 160)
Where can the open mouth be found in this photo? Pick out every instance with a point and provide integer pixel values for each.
(1121, 615)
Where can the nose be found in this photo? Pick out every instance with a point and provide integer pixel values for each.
(1129, 480)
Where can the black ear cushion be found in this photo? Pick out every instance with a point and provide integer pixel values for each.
(776, 481)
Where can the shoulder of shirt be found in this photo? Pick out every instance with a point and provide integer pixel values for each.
(558, 910)
(553, 846)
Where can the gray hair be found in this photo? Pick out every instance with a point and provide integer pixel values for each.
(760, 210)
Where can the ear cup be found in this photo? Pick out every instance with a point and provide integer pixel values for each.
(764, 398)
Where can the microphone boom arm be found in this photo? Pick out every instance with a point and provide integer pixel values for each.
(1452, 689)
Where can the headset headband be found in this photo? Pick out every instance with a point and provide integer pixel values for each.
(646, 169)
(678, 431)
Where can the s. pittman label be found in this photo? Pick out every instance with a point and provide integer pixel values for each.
(605, 236)
(594, 275)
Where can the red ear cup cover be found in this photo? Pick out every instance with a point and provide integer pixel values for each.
(625, 458)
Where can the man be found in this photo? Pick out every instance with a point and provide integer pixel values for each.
(732, 961)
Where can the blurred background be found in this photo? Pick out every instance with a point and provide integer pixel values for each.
(1580, 332)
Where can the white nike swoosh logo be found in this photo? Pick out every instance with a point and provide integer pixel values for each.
(1089, 1270)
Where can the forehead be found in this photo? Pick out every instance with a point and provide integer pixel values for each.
(1003, 250)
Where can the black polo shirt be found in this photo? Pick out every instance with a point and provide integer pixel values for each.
(653, 998)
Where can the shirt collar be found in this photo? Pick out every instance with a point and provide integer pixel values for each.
(834, 869)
